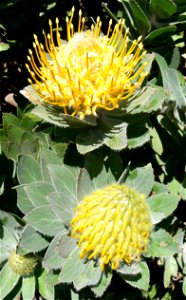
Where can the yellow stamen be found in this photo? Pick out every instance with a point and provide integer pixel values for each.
(79, 21)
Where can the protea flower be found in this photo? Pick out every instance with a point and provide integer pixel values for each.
(89, 71)
(112, 224)
(22, 265)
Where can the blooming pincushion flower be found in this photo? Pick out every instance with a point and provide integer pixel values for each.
(112, 224)
(89, 71)
(22, 265)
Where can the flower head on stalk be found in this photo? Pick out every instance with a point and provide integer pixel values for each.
(113, 225)
(89, 71)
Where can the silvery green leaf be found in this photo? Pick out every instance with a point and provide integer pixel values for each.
(162, 244)
(44, 219)
(171, 82)
(46, 290)
(52, 258)
(148, 100)
(64, 180)
(162, 205)
(82, 273)
(62, 205)
(32, 240)
(141, 179)
(38, 191)
(28, 287)
(8, 280)
(171, 269)
(140, 280)
(24, 204)
(160, 188)
(28, 170)
(8, 242)
(103, 284)
(85, 185)
(66, 245)
(132, 269)
(48, 157)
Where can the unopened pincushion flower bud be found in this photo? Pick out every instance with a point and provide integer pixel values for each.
(112, 224)
(22, 265)
(89, 71)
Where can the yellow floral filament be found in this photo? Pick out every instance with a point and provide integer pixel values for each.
(89, 71)
(112, 224)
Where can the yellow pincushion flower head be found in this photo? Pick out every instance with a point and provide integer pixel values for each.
(89, 71)
(112, 224)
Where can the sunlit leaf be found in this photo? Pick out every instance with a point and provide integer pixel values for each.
(46, 290)
(24, 204)
(162, 244)
(103, 284)
(64, 180)
(32, 240)
(132, 270)
(85, 185)
(171, 269)
(28, 170)
(79, 272)
(141, 280)
(141, 179)
(45, 220)
(171, 82)
(38, 191)
(62, 205)
(160, 188)
(162, 205)
(148, 101)
(48, 157)
(52, 259)
(8, 280)
(66, 245)
(28, 287)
